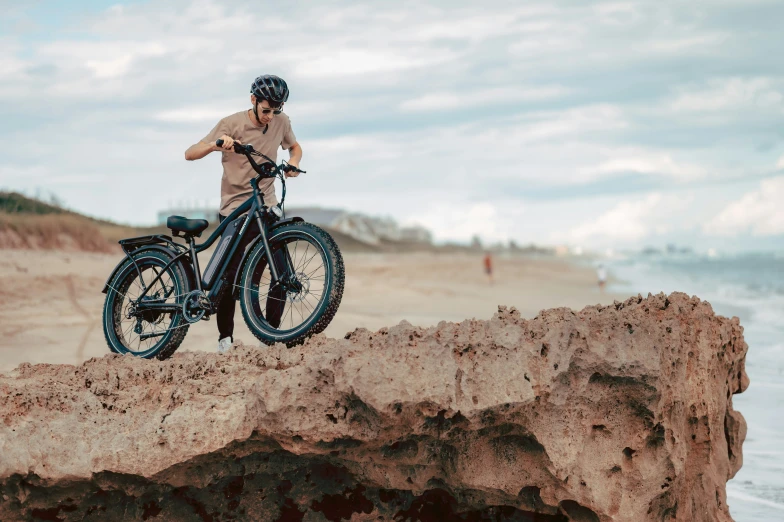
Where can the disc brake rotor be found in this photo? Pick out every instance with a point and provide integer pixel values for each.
(304, 291)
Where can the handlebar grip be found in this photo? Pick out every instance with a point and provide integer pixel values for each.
(219, 143)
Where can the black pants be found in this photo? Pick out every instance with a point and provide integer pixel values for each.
(276, 298)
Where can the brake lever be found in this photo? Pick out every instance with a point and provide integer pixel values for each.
(290, 168)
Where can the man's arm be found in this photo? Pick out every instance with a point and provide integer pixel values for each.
(201, 149)
(295, 155)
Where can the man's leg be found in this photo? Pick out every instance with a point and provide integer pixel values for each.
(276, 297)
(225, 316)
(226, 307)
(227, 304)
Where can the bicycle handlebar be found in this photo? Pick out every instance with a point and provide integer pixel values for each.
(248, 149)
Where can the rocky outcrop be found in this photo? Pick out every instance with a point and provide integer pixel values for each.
(611, 413)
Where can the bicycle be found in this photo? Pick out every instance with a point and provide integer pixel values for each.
(156, 292)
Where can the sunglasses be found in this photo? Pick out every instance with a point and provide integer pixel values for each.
(273, 111)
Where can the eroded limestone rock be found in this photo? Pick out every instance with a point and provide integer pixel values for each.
(611, 413)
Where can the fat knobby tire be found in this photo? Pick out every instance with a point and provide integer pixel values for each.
(125, 276)
(336, 283)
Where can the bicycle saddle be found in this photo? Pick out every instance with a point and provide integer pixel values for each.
(187, 226)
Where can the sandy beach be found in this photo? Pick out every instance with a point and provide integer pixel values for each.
(51, 301)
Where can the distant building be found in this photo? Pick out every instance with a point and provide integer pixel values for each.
(384, 228)
(356, 226)
(370, 230)
(416, 234)
(322, 217)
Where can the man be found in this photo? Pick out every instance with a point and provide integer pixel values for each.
(489, 267)
(266, 128)
(601, 273)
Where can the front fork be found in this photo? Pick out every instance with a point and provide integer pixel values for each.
(286, 258)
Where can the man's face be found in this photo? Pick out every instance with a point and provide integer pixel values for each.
(265, 110)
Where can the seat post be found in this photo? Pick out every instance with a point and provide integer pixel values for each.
(195, 261)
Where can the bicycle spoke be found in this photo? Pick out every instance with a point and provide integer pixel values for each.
(311, 309)
(309, 260)
(309, 306)
(300, 313)
(316, 296)
(283, 319)
(152, 325)
(303, 304)
(269, 297)
(314, 271)
(296, 244)
(127, 331)
(304, 255)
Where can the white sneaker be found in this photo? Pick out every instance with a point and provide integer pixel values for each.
(224, 345)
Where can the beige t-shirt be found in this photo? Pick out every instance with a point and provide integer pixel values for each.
(237, 172)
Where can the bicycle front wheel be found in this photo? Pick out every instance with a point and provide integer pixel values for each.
(309, 260)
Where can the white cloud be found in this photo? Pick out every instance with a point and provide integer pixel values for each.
(347, 61)
(9, 63)
(463, 221)
(479, 98)
(197, 113)
(569, 94)
(643, 161)
(631, 221)
(617, 13)
(759, 212)
(704, 42)
(455, 25)
(10, 172)
(550, 125)
(730, 94)
(780, 163)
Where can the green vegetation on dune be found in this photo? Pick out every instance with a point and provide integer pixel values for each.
(51, 232)
(15, 203)
(30, 223)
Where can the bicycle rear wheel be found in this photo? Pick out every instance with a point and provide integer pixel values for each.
(150, 333)
(310, 259)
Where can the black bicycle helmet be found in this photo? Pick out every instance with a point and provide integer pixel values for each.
(270, 88)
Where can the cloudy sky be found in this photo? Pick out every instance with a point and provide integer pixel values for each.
(615, 124)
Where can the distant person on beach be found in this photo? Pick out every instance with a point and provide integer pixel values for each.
(267, 128)
(489, 266)
(601, 273)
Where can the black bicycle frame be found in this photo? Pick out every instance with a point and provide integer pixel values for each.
(255, 209)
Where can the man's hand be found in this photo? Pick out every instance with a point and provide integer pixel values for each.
(295, 154)
(292, 173)
(228, 143)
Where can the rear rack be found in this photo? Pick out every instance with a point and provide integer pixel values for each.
(133, 243)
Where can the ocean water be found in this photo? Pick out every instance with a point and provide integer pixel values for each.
(751, 287)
